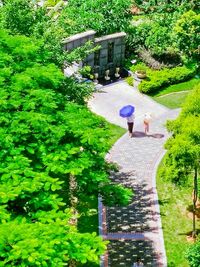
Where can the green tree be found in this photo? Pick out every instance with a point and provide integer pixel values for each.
(187, 33)
(182, 158)
(21, 16)
(82, 15)
(44, 141)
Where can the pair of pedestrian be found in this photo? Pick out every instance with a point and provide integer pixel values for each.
(146, 121)
(138, 263)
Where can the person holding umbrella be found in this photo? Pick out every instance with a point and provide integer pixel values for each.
(130, 123)
(127, 112)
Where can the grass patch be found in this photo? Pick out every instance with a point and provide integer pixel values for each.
(173, 100)
(116, 132)
(185, 86)
(174, 201)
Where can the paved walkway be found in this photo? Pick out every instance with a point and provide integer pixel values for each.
(134, 230)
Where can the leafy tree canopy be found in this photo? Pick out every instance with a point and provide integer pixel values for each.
(183, 147)
(44, 139)
(103, 16)
(187, 32)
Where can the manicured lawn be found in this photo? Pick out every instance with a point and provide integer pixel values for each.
(185, 86)
(174, 201)
(172, 100)
(116, 133)
(175, 95)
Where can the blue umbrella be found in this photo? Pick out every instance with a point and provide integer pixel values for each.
(126, 111)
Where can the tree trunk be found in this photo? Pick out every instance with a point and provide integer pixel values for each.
(195, 194)
(73, 202)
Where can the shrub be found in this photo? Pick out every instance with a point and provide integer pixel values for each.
(129, 80)
(164, 77)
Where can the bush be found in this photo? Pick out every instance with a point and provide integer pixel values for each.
(161, 78)
(129, 80)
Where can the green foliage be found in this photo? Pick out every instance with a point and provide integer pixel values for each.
(139, 67)
(44, 140)
(183, 152)
(158, 39)
(170, 32)
(185, 86)
(193, 254)
(20, 16)
(51, 3)
(80, 53)
(161, 6)
(183, 147)
(116, 195)
(49, 241)
(129, 80)
(82, 15)
(160, 78)
(176, 224)
(187, 32)
(86, 72)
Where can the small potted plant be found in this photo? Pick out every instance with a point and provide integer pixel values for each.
(141, 71)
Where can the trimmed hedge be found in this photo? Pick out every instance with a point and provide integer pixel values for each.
(162, 78)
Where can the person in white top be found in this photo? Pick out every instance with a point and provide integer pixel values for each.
(147, 119)
(138, 263)
(130, 123)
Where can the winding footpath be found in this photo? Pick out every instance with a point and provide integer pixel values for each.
(134, 230)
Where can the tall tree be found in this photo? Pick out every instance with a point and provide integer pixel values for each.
(183, 155)
(21, 16)
(44, 141)
(187, 33)
(82, 15)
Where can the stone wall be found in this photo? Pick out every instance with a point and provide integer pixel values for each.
(110, 55)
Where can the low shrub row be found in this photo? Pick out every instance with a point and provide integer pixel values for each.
(157, 79)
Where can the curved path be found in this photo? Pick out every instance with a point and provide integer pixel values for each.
(134, 230)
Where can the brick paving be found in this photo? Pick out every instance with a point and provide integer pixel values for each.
(134, 230)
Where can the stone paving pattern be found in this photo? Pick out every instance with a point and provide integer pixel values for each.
(134, 230)
(122, 252)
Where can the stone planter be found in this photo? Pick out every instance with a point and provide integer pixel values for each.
(141, 74)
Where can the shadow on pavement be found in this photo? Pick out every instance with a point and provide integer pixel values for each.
(138, 215)
(138, 134)
(125, 252)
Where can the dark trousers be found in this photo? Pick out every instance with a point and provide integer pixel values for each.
(130, 127)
